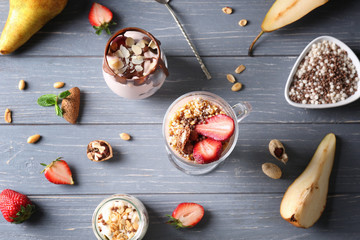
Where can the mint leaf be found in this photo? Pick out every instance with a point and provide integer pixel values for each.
(58, 110)
(47, 100)
(64, 94)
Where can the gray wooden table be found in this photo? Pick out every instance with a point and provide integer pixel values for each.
(240, 201)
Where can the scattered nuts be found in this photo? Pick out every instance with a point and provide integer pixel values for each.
(236, 87)
(277, 149)
(33, 138)
(240, 69)
(271, 170)
(59, 85)
(227, 10)
(230, 78)
(7, 116)
(243, 22)
(22, 84)
(99, 150)
(125, 136)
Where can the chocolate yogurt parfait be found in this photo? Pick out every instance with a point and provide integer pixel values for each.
(134, 65)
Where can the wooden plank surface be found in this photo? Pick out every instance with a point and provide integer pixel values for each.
(263, 80)
(213, 32)
(240, 201)
(141, 165)
(227, 216)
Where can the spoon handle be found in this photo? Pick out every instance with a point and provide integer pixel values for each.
(203, 67)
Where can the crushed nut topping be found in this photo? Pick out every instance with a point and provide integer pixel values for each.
(119, 221)
(182, 136)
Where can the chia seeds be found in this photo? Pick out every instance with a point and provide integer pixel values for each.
(326, 75)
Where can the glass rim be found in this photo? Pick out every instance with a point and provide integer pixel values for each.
(235, 135)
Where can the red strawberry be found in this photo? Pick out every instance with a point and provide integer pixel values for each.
(186, 215)
(100, 18)
(58, 172)
(207, 151)
(15, 207)
(219, 127)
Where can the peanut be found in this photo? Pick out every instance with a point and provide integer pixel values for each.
(227, 10)
(230, 78)
(243, 22)
(125, 136)
(59, 85)
(7, 116)
(22, 84)
(236, 87)
(33, 138)
(240, 69)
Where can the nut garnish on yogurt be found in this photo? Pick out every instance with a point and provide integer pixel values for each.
(119, 220)
(132, 58)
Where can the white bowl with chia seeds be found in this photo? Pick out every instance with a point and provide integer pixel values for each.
(325, 75)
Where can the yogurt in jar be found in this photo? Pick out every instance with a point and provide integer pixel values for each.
(134, 66)
(120, 217)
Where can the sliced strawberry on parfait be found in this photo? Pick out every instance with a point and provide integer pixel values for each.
(220, 127)
(207, 151)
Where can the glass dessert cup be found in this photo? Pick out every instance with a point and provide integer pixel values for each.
(143, 222)
(131, 83)
(237, 112)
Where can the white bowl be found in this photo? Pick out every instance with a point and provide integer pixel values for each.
(351, 55)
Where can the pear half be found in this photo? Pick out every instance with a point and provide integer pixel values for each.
(305, 199)
(25, 18)
(284, 12)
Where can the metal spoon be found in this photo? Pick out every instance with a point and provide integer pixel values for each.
(204, 69)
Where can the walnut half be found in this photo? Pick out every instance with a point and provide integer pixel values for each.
(99, 150)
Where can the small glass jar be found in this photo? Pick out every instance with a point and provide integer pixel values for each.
(237, 112)
(127, 200)
(134, 84)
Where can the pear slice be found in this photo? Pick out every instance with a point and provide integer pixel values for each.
(305, 199)
(284, 12)
(25, 18)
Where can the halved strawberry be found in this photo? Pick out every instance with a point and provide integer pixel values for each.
(186, 215)
(207, 151)
(58, 172)
(100, 18)
(220, 127)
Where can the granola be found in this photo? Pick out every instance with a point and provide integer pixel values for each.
(182, 136)
(119, 221)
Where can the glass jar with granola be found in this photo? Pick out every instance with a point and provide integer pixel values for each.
(120, 216)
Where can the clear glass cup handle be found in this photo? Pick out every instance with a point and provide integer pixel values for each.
(242, 110)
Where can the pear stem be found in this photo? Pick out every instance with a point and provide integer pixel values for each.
(253, 43)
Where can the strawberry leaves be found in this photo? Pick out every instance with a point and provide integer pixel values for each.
(104, 26)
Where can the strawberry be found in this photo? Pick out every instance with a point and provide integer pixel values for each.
(15, 207)
(58, 172)
(186, 215)
(100, 18)
(207, 151)
(219, 127)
